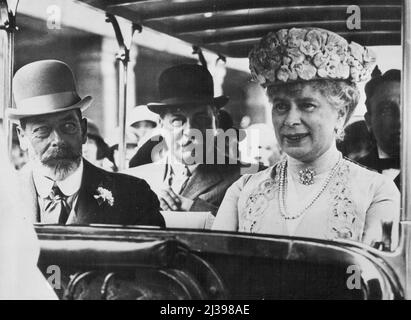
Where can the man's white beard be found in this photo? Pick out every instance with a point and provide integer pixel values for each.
(60, 171)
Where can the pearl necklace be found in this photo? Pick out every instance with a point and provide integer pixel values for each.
(283, 190)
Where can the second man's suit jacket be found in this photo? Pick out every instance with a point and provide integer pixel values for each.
(206, 186)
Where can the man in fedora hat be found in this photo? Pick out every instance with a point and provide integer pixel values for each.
(59, 184)
(188, 178)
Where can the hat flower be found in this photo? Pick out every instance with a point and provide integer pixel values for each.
(296, 37)
(306, 70)
(309, 54)
(283, 73)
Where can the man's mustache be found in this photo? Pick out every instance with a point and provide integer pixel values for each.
(60, 152)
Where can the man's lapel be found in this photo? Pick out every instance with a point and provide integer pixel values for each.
(87, 209)
(203, 179)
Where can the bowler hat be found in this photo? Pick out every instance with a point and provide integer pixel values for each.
(45, 87)
(186, 84)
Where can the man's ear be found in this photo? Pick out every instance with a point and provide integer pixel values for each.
(22, 138)
(83, 124)
(367, 118)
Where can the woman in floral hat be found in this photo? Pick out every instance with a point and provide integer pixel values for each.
(310, 77)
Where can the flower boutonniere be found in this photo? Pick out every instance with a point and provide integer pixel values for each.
(104, 196)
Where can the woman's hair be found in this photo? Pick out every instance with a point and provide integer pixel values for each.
(339, 93)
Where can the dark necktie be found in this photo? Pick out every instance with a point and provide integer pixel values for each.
(389, 163)
(187, 173)
(57, 205)
(172, 182)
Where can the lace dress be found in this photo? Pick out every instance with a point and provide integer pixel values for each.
(353, 206)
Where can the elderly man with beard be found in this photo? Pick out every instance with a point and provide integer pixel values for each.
(59, 185)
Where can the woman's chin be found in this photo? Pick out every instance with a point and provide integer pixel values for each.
(298, 153)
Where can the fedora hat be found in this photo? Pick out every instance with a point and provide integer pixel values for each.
(186, 84)
(45, 87)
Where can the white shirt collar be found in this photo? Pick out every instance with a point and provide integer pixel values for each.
(392, 173)
(178, 167)
(382, 154)
(68, 186)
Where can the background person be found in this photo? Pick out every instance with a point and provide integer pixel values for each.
(143, 122)
(145, 125)
(310, 76)
(96, 150)
(260, 145)
(357, 141)
(383, 118)
(131, 144)
(19, 157)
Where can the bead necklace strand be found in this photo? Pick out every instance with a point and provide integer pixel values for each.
(283, 189)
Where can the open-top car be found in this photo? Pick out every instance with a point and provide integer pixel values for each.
(139, 262)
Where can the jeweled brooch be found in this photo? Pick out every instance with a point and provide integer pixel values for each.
(306, 176)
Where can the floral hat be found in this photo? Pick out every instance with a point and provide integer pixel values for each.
(296, 54)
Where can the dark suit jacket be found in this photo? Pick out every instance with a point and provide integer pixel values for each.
(143, 154)
(206, 187)
(371, 161)
(134, 202)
